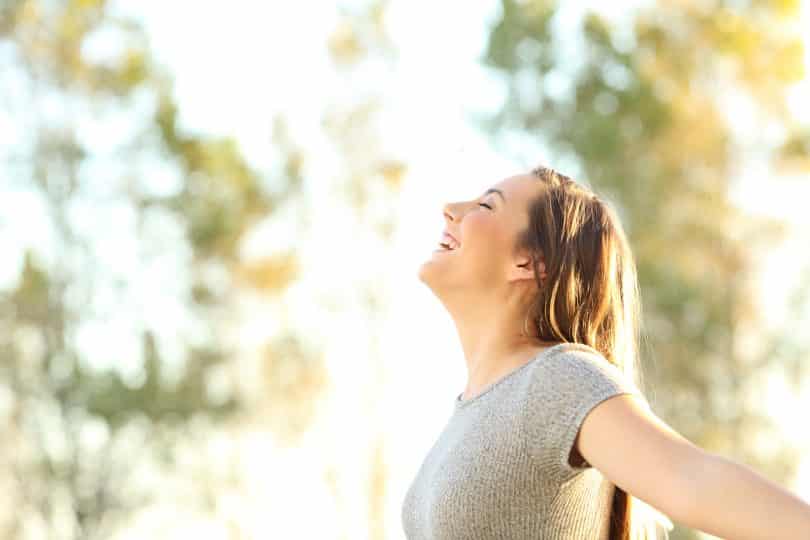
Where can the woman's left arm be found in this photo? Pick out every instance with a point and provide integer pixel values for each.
(733, 501)
(640, 453)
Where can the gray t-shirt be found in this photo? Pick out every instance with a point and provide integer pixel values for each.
(499, 468)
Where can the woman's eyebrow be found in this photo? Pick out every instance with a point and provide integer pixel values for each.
(498, 191)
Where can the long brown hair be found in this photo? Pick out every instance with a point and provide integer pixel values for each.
(591, 295)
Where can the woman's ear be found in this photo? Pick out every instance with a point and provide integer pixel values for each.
(525, 270)
(541, 270)
(541, 266)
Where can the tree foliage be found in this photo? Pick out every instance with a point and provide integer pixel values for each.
(79, 436)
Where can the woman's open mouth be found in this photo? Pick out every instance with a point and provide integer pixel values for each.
(446, 247)
(448, 242)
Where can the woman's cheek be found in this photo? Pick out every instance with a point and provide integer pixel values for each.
(488, 224)
(476, 224)
(481, 231)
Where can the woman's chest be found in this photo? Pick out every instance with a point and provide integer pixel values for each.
(477, 478)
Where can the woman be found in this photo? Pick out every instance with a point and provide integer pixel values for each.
(552, 437)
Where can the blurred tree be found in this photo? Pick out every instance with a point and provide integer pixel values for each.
(102, 150)
(642, 113)
(370, 179)
(127, 193)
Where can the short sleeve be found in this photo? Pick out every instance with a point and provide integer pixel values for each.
(562, 390)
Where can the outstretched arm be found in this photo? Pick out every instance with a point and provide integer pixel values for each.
(640, 453)
(733, 501)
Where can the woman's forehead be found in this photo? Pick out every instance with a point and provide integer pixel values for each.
(519, 186)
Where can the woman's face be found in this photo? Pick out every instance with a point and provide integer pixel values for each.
(486, 229)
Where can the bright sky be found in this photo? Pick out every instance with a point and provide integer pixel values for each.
(238, 64)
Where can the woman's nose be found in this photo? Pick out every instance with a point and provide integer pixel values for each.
(448, 212)
(452, 210)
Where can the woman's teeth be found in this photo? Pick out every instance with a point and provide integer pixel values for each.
(449, 244)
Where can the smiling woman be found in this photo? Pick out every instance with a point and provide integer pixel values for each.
(536, 247)
(552, 437)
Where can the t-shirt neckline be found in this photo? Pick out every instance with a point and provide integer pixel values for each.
(461, 403)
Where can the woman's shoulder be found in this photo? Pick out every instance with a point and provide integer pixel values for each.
(568, 353)
(577, 368)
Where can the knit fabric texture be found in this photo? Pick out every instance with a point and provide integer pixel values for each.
(499, 468)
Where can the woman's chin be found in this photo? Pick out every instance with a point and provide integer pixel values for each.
(430, 262)
(437, 255)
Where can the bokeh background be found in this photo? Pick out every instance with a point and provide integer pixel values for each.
(212, 215)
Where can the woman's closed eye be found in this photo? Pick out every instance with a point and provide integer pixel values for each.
(484, 204)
